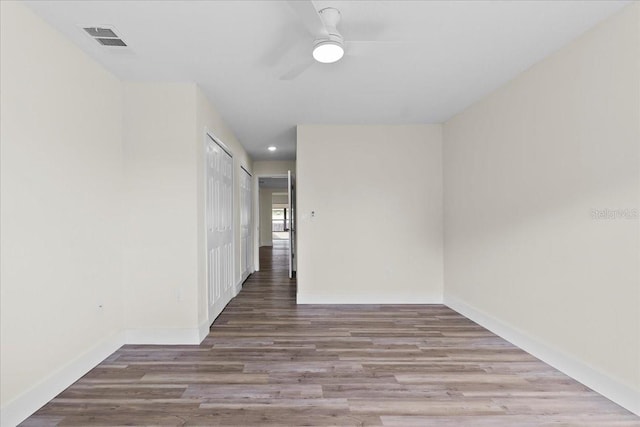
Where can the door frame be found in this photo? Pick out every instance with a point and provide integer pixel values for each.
(256, 204)
(291, 195)
(252, 221)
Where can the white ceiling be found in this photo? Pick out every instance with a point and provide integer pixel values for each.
(439, 56)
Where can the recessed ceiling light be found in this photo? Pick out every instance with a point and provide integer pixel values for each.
(328, 51)
(271, 148)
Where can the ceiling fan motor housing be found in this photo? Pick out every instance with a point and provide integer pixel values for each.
(331, 38)
(331, 18)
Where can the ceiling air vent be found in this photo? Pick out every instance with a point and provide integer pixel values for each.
(105, 36)
(110, 42)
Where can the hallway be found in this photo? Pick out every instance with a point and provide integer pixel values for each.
(267, 361)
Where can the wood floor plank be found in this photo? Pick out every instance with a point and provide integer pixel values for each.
(270, 362)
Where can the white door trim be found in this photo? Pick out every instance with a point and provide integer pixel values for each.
(256, 213)
(250, 250)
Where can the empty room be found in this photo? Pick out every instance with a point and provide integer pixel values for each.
(320, 213)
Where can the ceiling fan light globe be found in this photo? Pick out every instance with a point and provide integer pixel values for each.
(328, 52)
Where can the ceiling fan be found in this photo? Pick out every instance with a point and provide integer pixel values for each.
(328, 45)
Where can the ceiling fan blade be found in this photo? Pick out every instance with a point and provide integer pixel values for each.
(363, 31)
(372, 48)
(286, 46)
(296, 70)
(309, 16)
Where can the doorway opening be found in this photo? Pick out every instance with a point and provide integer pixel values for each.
(276, 216)
(280, 217)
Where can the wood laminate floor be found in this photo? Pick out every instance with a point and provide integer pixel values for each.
(267, 361)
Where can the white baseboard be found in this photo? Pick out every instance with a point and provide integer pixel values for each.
(169, 336)
(366, 299)
(18, 409)
(21, 407)
(612, 389)
(203, 330)
(238, 287)
(246, 275)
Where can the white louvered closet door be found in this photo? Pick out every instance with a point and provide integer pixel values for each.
(219, 219)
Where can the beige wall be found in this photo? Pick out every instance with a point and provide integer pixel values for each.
(524, 170)
(280, 198)
(266, 195)
(377, 233)
(165, 130)
(160, 257)
(267, 199)
(61, 217)
(101, 212)
(209, 120)
(273, 167)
